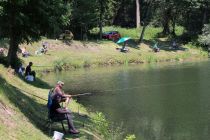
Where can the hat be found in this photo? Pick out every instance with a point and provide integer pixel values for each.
(60, 83)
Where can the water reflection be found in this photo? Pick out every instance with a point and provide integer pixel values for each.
(154, 103)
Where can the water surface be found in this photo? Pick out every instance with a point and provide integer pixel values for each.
(154, 102)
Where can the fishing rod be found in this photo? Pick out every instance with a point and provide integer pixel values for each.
(81, 94)
(76, 95)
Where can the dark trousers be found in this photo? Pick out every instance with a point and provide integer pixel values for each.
(67, 117)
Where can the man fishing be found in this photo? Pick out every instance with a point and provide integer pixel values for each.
(59, 113)
(58, 92)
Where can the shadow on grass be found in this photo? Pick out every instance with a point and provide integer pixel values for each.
(133, 44)
(81, 122)
(37, 83)
(36, 112)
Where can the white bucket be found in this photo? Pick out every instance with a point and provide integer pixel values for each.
(57, 135)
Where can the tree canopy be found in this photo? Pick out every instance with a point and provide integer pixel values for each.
(28, 20)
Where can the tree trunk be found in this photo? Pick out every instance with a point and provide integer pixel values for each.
(12, 53)
(142, 34)
(205, 14)
(101, 20)
(137, 14)
(145, 23)
(13, 36)
(166, 20)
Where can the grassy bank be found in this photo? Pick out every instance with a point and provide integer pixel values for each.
(24, 112)
(78, 54)
(63, 55)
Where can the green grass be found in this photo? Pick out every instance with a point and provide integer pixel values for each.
(150, 32)
(104, 53)
(134, 33)
(80, 54)
(24, 113)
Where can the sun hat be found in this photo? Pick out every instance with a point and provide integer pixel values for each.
(60, 83)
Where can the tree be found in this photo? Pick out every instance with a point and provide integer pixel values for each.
(105, 12)
(146, 19)
(26, 20)
(125, 15)
(138, 18)
(205, 37)
(84, 16)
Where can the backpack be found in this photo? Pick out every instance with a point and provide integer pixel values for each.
(49, 101)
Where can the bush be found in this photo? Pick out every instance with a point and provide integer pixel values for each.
(205, 37)
(130, 137)
(60, 64)
(105, 129)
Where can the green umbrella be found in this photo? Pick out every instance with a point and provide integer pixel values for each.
(123, 39)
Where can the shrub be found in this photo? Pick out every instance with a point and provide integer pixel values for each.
(205, 37)
(130, 137)
(107, 130)
(60, 64)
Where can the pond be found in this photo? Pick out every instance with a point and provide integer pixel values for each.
(154, 102)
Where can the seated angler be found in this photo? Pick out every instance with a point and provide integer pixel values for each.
(59, 113)
(58, 91)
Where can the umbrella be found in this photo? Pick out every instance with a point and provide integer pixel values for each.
(123, 39)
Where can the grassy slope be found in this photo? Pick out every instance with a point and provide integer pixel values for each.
(81, 54)
(18, 109)
(23, 116)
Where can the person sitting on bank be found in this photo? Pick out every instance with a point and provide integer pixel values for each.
(29, 72)
(155, 48)
(174, 45)
(59, 113)
(24, 52)
(21, 70)
(58, 91)
(44, 48)
(124, 47)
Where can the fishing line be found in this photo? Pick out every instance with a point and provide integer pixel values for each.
(148, 86)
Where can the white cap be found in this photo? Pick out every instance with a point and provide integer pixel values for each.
(60, 83)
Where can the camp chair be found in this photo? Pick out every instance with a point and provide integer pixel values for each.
(51, 121)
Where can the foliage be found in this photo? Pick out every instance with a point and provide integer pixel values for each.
(134, 33)
(106, 129)
(60, 64)
(26, 20)
(101, 124)
(205, 37)
(130, 137)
